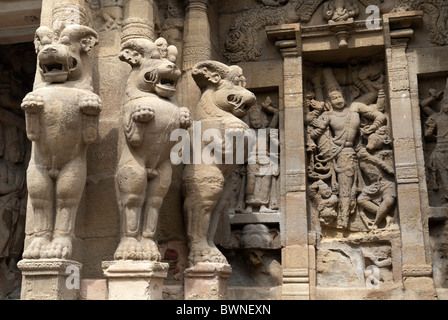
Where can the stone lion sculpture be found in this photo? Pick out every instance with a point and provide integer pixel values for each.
(224, 100)
(62, 115)
(150, 114)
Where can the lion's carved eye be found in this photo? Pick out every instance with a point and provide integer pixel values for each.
(150, 77)
(45, 40)
(65, 40)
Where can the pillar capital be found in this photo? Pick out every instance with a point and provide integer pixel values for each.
(287, 38)
(400, 27)
(196, 4)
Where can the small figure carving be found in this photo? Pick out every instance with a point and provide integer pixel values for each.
(223, 101)
(379, 195)
(62, 120)
(327, 202)
(381, 257)
(258, 236)
(340, 10)
(150, 114)
(313, 109)
(112, 13)
(437, 126)
(261, 171)
(238, 184)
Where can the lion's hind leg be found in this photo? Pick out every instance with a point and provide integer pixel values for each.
(156, 192)
(132, 182)
(202, 196)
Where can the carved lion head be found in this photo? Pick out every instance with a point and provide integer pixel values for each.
(154, 65)
(60, 51)
(227, 84)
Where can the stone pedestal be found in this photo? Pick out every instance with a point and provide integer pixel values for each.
(50, 279)
(135, 280)
(207, 281)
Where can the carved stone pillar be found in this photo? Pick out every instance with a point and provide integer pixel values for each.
(196, 48)
(207, 281)
(138, 20)
(197, 44)
(56, 178)
(416, 269)
(295, 255)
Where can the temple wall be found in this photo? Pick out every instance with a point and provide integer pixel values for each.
(357, 207)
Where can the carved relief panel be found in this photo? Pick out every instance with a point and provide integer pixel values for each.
(252, 245)
(348, 141)
(351, 173)
(434, 117)
(433, 103)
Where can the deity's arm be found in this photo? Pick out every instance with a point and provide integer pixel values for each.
(430, 126)
(319, 126)
(378, 118)
(425, 103)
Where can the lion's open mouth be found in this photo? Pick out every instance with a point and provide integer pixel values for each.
(53, 67)
(168, 83)
(55, 71)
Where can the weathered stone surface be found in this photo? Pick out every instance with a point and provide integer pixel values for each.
(62, 120)
(135, 280)
(356, 205)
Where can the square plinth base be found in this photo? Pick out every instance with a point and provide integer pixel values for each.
(207, 281)
(135, 280)
(50, 279)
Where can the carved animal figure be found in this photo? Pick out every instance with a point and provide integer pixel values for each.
(223, 101)
(61, 121)
(150, 114)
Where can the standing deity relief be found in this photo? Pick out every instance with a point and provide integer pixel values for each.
(350, 160)
(255, 184)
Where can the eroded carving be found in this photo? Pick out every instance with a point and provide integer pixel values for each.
(340, 10)
(436, 128)
(62, 120)
(150, 113)
(378, 196)
(261, 173)
(223, 101)
(111, 12)
(12, 196)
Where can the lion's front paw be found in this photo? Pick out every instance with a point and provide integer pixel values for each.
(91, 105)
(36, 248)
(203, 252)
(128, 249)
(185, 117)
(150, 250)
(60, 248)
(143, 114)
(32, 103)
